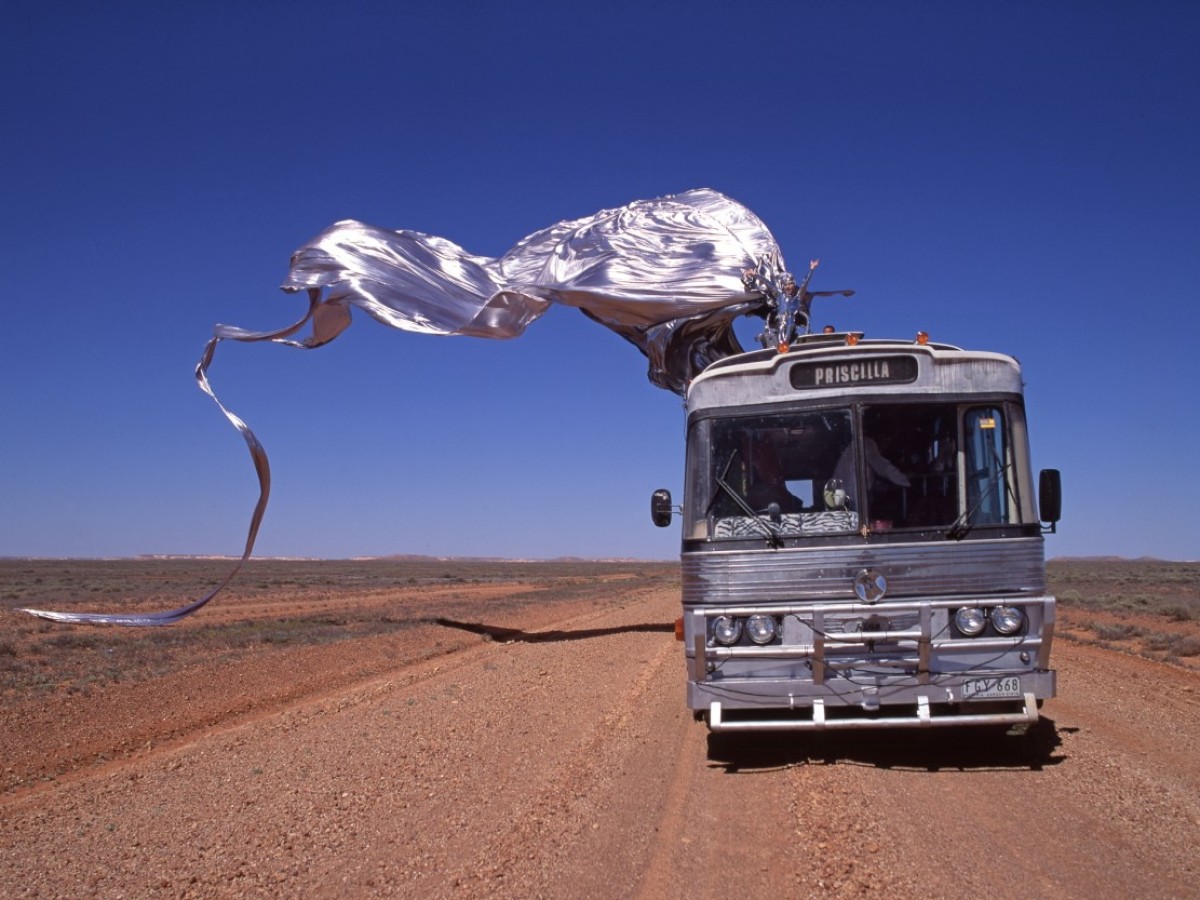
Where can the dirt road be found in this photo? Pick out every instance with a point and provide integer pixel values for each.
(545, 751)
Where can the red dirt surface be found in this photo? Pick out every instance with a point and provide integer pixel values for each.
(520, 730)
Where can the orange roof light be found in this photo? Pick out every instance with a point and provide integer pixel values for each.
(852, 339)
(922, 338)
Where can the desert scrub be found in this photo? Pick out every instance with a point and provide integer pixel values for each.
(38, 655)
(1168, 589)
(1121, 632)
(1181, 613)
(73, 640)
(1173, 644)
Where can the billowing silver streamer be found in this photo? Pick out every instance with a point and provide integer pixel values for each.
(670, 275)
(666, 274)
(261, 466)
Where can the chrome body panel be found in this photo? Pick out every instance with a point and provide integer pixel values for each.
(825, 572)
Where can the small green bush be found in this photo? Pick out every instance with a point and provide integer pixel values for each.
(1121, 632)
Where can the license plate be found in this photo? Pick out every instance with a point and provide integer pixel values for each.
(992, 688)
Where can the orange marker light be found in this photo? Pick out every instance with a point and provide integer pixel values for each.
(679, 629)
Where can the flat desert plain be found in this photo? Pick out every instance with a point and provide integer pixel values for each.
(425, 728)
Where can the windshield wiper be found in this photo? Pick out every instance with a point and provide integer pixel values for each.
(773, 539)
(963, 524)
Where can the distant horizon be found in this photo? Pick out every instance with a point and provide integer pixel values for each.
(389, 556)
(414, 557)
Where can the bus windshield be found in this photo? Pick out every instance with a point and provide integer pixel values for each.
(948, 467)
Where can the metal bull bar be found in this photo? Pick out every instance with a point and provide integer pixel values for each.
(912, 649)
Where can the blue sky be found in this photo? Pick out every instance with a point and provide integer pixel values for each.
(1017, 176)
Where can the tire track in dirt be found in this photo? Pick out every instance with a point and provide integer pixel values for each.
(571, 814)
(659, 879)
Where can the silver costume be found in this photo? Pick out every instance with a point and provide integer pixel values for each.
(669, 275)
(666, 274)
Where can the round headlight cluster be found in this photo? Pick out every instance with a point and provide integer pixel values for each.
(726, 630)
(970, 621)
(1006, 620)
(760, 629)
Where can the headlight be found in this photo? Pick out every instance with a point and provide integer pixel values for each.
(1007, 619)
(761, 629)
(726, 630)
(970, 621)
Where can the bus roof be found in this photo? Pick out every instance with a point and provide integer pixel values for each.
(820, 366)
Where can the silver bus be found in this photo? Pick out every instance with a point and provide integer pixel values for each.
(862, 541)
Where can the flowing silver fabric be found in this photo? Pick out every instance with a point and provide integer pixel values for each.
(666, 274)
(261, 466)
(670, 275)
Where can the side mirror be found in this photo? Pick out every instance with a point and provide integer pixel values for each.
(660, 507)
(1050, 497)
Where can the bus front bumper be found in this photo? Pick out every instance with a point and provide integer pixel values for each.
(922, 714)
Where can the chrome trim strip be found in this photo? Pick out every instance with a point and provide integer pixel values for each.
(923, 719)
(928, 569)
